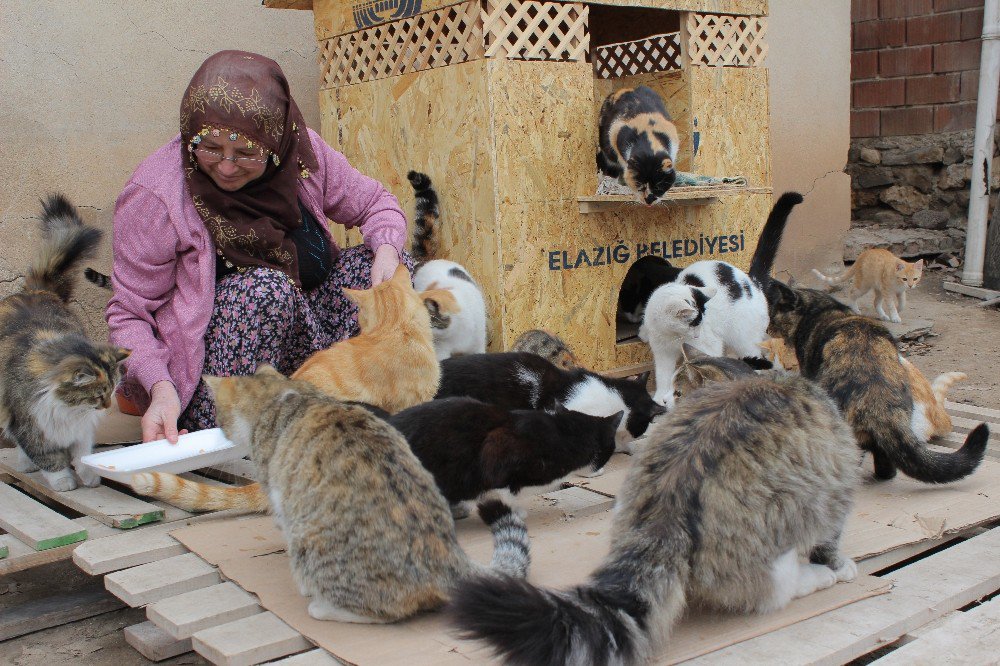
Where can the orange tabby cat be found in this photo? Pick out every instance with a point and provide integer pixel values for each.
(391, 364)
(884, 272)
(929, 418)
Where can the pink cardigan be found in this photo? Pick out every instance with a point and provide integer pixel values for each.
(164, 258)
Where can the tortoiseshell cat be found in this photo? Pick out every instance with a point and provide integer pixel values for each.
(54, 382)
(638, 142)
(370, 537)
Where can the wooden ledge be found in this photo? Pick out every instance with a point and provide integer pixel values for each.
(678, 196)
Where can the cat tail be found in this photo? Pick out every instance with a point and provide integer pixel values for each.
(610, 619)
(193, 496)
(837, 279)
(943, 382)
(67, 241)
(511, 547)
(100, 279)
(770, 238)
(914, 459)
(426, 215)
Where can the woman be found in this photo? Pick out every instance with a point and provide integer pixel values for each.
(222, 260)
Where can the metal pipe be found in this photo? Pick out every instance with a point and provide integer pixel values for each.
(982, 157)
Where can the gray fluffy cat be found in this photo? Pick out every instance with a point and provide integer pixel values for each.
(731, 488)
(370, 537)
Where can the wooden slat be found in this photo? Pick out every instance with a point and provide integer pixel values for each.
(248, 641)
(966, 290)
(986, 412)
(966, 638)
(22, 556)
(131, 549)
(102, 503)
(35, 524)
(186, 614)
(56, 610)
(153, 643)
(159, 580)
(4, 551)
(923, 591)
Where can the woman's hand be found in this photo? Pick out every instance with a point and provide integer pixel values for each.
(160, 420)
(384, 265)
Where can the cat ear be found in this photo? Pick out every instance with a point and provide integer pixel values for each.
(359, 297)
(643, 379)
(900, 267)
(709, 292)
(213, 383)
(615, 420)
(686, 314)
(657, 410)
(119, 354)
(401, 276)
(693, 373)
(267, 371)
(780, 296)
(919, 263)
(559, 408)
(692, 353)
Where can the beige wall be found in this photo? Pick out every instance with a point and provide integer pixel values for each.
(810, 71)
(88, 89)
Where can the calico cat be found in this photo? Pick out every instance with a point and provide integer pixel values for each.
(370, 538)
(547, 345)
(699, 369)
(638, 142)
(855, 359)
(518, 380)
(471, 447)
(714, 306)
(464, 332)
(730, 487)
(929, 416)
(887, 274)
(55, 384)
(390, 365)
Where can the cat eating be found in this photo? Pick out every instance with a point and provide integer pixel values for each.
(887, 274)
(55, 384)
(638, 142)
(547, 345)
(370, 537)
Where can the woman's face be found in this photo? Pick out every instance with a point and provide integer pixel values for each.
(225, 173)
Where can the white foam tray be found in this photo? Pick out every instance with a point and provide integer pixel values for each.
(195, 450)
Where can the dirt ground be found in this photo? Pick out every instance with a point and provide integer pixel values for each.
(964, 338)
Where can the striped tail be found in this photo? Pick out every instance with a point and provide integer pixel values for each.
(425, 218)
(100, 279)
(194, 496)
(608, 621)
(846, 275)
(511, 547)
(942, 383)
(67, 242)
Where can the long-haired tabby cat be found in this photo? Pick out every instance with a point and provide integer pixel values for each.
(54, 383)
(887, 274)
(699, 369)
(370, 537)
(730, 487)
(391, 364)
(638, 142)
(855, 359)
(547, 345)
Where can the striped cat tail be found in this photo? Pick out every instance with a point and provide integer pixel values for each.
(426, 215)
(609, 620)
(100, 279)
(942, 383)
(511, 547)
(193, 496)
(67, 241)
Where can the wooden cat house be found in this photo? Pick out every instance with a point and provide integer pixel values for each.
(497, 100)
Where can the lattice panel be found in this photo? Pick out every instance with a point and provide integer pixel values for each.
(534, 30)
(435, 39)
(726, 41)
(659, 53)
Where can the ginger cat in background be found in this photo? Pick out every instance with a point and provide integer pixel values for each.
(887, 274)
(929, 418)
(391, 364)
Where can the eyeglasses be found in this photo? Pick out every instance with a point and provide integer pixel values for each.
(212, 157)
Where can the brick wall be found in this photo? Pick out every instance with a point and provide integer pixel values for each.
(914, 66)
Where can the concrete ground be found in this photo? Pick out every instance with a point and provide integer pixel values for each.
(966, 338)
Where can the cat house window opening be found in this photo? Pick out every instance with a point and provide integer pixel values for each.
(633, 40)
(641, 280)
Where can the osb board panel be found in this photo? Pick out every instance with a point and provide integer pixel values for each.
(434, 122)
(673, 87)
(557, 274)
(336, 17)
(731, 106)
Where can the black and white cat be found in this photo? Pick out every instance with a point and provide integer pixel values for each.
(519, 380)
(714, 306)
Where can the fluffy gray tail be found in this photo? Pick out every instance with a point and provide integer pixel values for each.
(67, 242)
(608, 621)
(770, 238)
(511, 554)
(426, 215)
(915, 460)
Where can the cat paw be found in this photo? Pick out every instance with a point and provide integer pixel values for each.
(847, 572)
(460, 511)
(814, 577)
(896, 320)
(592, 474)
(24, 464)
(88, 477)
(61, 481)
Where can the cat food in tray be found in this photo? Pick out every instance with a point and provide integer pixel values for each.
(192, 451)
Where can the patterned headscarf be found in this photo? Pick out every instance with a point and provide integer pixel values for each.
(235, 93)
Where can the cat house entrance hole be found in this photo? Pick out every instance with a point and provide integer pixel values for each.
(642, 279)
